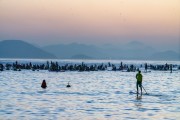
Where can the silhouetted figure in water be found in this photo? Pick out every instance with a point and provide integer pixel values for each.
(43, 85)
(68, 85)
(139, 81)
(171, 68)
(1, 67)
(146, 67)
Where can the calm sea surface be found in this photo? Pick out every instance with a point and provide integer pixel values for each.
(97, 95)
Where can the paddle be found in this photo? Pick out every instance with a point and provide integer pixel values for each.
(144, 90)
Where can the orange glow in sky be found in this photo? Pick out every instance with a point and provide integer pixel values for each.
(54, 19)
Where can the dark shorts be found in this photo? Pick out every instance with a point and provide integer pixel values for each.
(139, 84)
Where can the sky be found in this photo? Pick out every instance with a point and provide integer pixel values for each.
(43, 22)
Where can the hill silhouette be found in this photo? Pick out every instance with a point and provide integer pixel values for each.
(74, 50)
(21, 49)
(134, 50)
(166, 55)
(131, 51)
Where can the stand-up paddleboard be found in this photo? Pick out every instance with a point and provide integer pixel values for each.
(132, 92)
(152, 95)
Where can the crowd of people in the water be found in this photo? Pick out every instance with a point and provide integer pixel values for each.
(54, 66)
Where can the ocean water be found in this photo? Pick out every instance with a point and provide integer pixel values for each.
(95, 95)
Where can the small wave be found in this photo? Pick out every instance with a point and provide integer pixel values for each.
(117, 92)
(44, 91)
(155, 95)
(90, 101)
(107, 115)
(81, 93)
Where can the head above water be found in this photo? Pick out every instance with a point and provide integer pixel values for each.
(43, 85)
(68, 85)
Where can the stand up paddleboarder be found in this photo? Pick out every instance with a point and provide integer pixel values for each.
(139, 81)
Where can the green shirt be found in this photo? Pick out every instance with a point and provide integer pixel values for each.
(139, 77)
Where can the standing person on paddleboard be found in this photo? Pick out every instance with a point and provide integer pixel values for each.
(139, 81)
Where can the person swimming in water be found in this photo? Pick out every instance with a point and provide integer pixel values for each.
(139, 81)
(43, 85)
(68, 85)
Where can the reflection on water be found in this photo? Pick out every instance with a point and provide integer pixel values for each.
(138, 105)
(138, 102)
(138, 97)
(93, 95)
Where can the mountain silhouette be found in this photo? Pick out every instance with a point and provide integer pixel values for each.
(21, 49)
(135, 45)
(134, 50)
(166, 55)
(72, 50)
